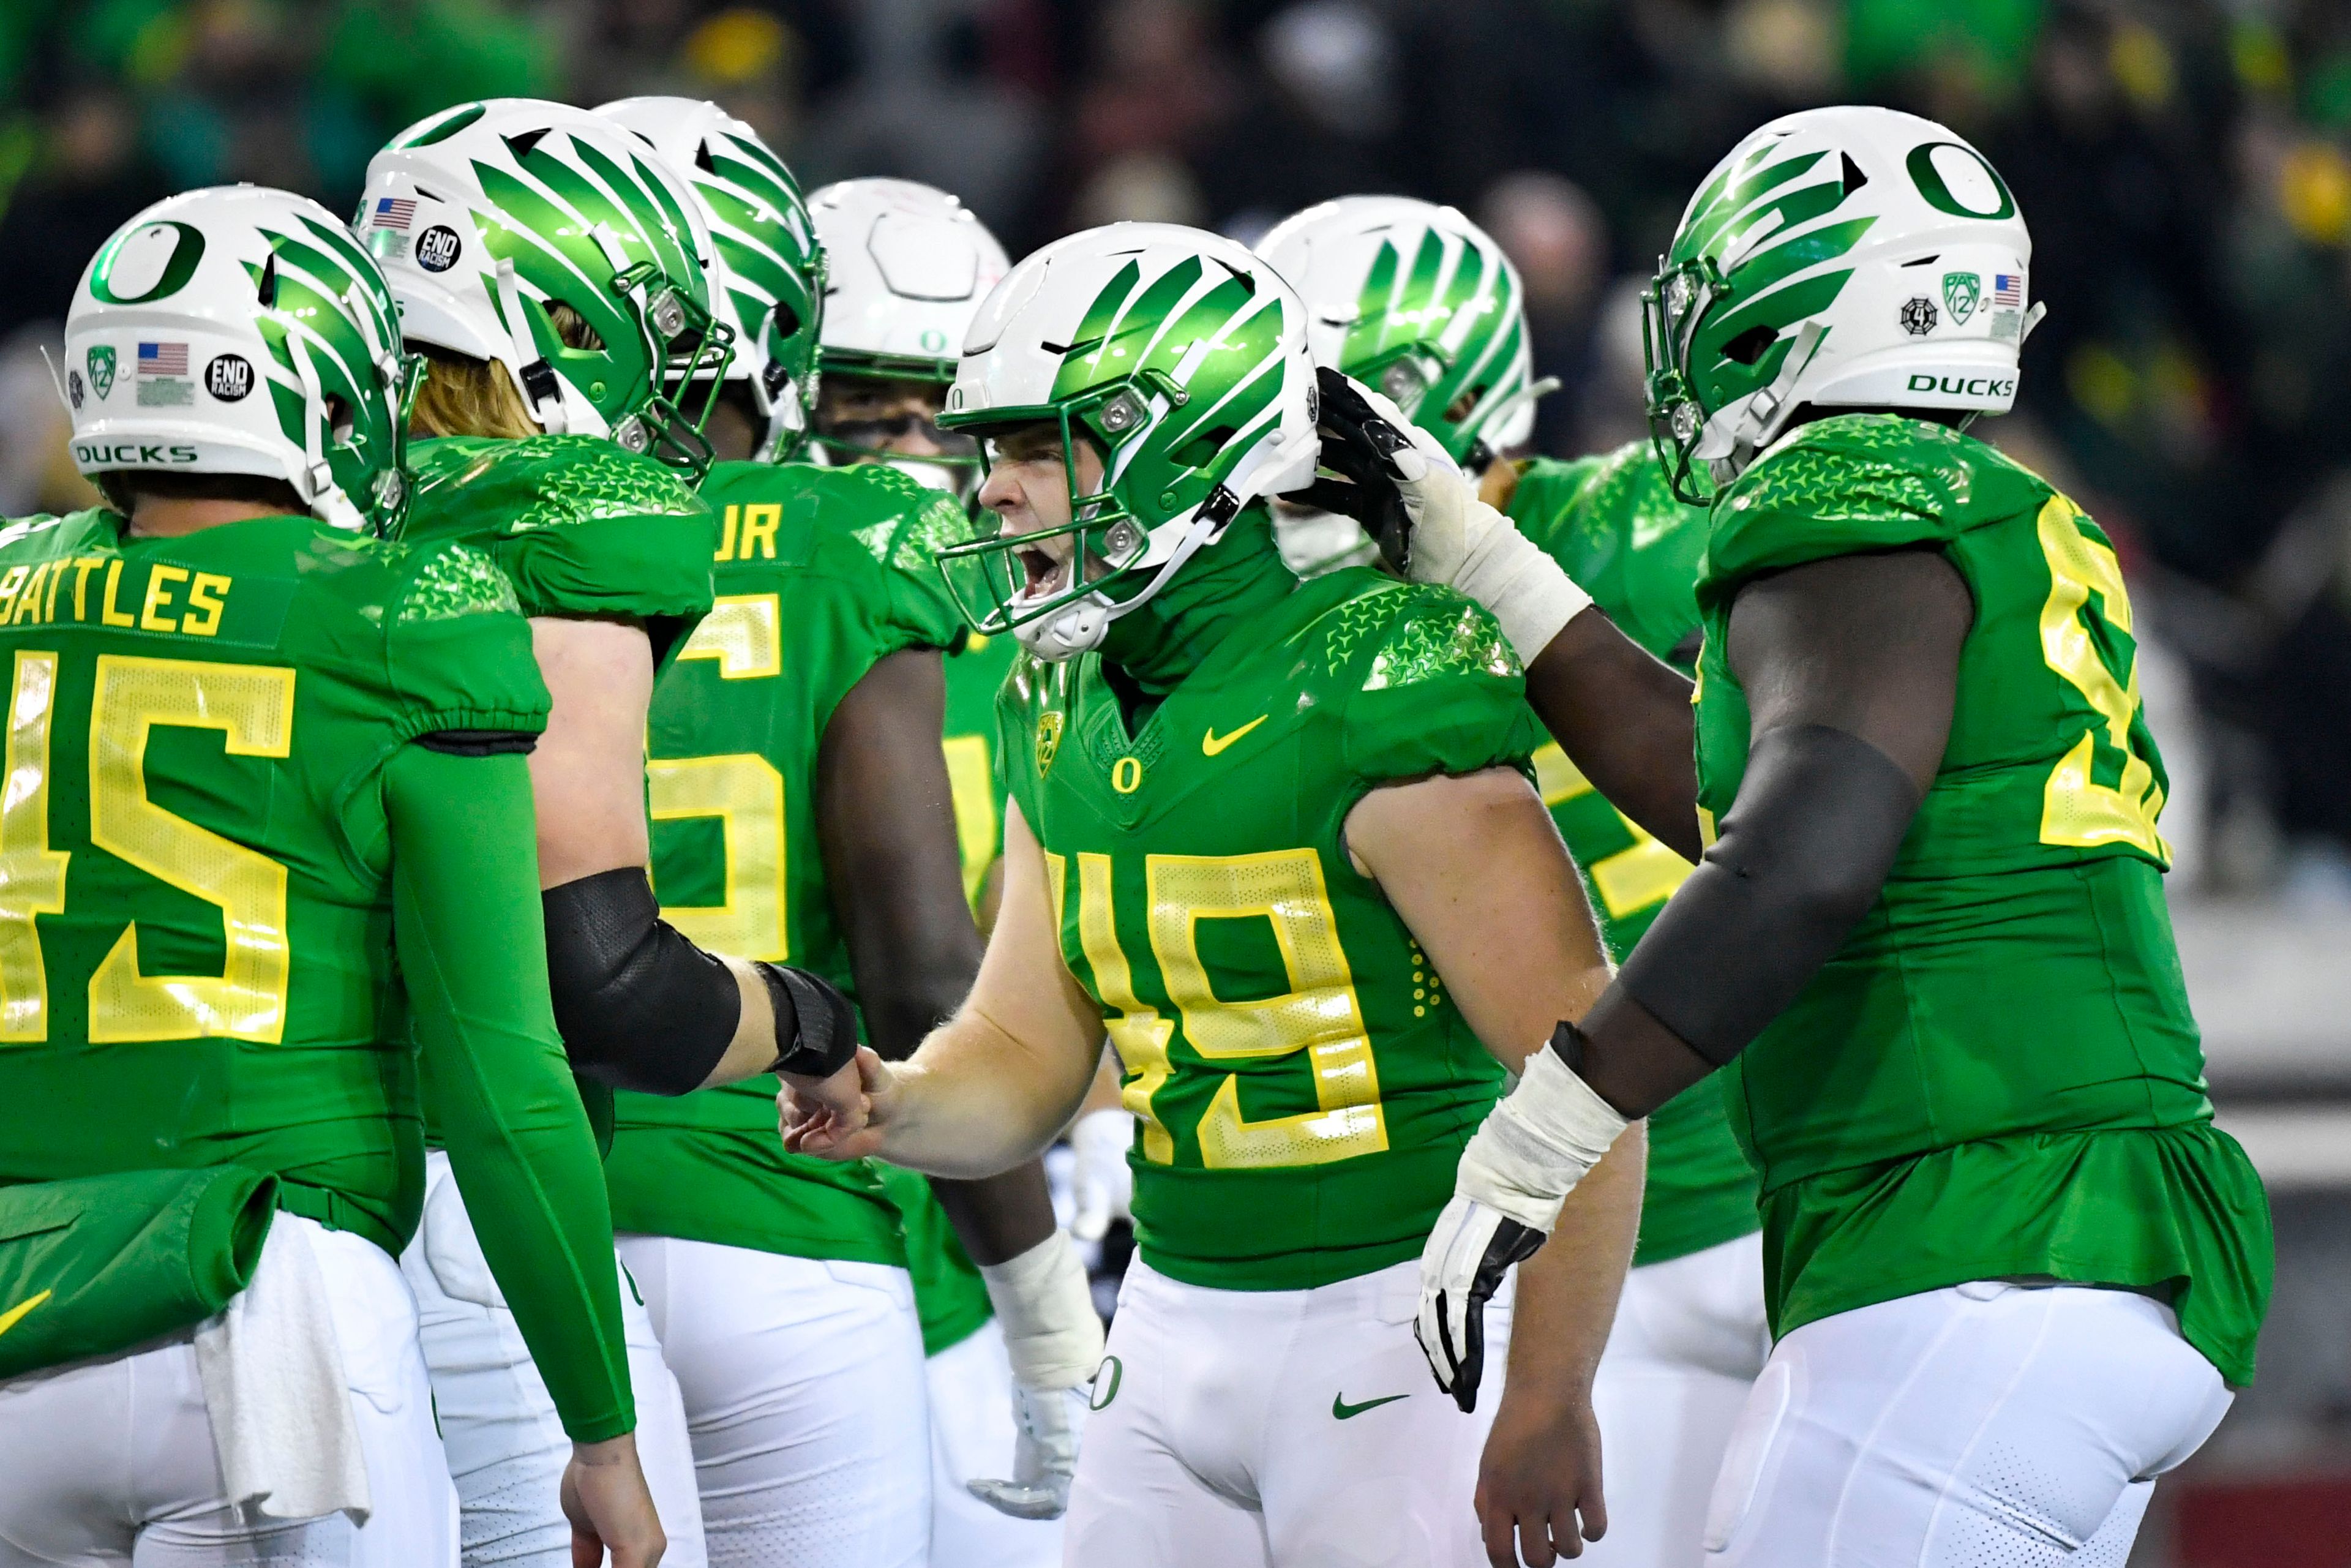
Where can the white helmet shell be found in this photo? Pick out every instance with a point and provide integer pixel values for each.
(909, 267)
(241, 330)
(1416, 300)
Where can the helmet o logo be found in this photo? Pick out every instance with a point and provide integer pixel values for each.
(229, 377)
(933, 341)
(437, 248)
(152, 262)
(1955, 179)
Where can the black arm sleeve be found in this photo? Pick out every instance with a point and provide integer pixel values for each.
(640, 1007)
(1851, 667)
(1804, 853)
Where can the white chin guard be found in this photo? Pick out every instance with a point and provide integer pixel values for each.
(1076, 628)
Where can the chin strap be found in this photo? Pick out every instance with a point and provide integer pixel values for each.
(1733, 437)
(327, 500)
(533, 377)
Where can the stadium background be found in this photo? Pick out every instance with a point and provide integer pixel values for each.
(2184, 165)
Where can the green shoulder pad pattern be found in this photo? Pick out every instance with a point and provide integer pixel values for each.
(1429, 682)
(578, 526)
(1857, 483)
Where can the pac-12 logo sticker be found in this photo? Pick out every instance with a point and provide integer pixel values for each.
(437, 248)
(229, 377)
(1962, 291)
(102, 368)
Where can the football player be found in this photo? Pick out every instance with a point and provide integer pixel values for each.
(552, 270)
(802, 722)
(1275, 841)
(2013, 1267)
(268, 778)
(1416, 300)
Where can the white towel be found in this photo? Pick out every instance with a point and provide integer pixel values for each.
(274, 1389)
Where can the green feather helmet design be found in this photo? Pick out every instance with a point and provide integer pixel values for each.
(770, 283)
(1850, 258)
(242, 331)
(1182, 359)
(488, 215)
(1416, 300)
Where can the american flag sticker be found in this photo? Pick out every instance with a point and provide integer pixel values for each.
(395, 212)
(2007, 289)
(162, 358)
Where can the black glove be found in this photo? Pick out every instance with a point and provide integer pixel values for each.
(1357, 475)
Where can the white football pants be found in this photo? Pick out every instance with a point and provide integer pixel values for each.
(804, 1397)
(1689, 1342)
(1986, 1424)
(972, 1438)
(1278, 1429)
(111, 1460)
(506, 1444)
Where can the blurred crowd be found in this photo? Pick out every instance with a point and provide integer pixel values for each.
(2185, 164)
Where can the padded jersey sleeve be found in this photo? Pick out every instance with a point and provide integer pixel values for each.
(467, 921)
(1855, 484)
(457, 653)
(903, 525)
(1429, 685)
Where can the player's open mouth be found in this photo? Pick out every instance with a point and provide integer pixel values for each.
(1048, 569)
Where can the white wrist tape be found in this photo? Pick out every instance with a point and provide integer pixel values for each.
(1047, 1312)
(1527, 591)
(1538, 1143)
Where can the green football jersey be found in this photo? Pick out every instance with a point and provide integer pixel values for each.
(1302, 1085)
(583, 527)
(820, 573)
(1997, 1074)
(974, 675)
(195, 907)
(1614, 525)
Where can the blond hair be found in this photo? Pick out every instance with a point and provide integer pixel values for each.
(465, 396)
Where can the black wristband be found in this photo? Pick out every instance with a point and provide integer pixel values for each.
(822, 1025)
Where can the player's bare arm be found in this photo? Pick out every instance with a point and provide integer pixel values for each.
(1476, 868)
(994, 1084)
(615, 964)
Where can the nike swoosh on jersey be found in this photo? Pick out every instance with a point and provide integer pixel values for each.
(1341, 1410)
(1212, 743)
(16, 1315)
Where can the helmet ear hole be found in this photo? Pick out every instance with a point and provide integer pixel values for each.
(1202, 449)
(787, 319)
(572, 327)
(1749, 347)
(339, 421)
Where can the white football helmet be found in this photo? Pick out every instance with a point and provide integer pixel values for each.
(487, 215)
(1416, 300)
(1182, 358)
(908, 267)
(769, 280)
(1849, 257)
(242, 331)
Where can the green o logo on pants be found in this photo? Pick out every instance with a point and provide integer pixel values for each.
(1105, 1392)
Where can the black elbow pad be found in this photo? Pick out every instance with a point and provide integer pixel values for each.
(640, 1007)
(1804, 853)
